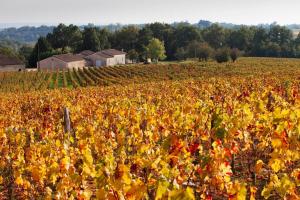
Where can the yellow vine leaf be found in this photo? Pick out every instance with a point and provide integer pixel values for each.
(258, 166)
(19, 180)
(296, 176)
(276, 143)
(161, 189)
(187, 194)
(101, 194)
(252, 192)
(276, 164)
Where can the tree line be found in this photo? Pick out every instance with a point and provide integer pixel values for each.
(180, 41)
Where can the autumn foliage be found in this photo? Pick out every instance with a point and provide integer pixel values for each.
(229, 136)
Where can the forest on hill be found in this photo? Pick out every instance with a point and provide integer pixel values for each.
(180, 40)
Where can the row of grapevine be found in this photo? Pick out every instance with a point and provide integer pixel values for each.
(230, 137)
(127, 74)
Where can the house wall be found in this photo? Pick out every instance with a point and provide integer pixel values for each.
(9, 68)
(52, 63)
(76, 64)
(93, 59)
(111, 62)
(120, 59)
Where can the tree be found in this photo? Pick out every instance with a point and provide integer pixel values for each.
(193, 49)
(133, 55)
(144, 36)
(104, 36)
(41, 48)
(280, 35)
(234, 54)
(205, 51)
(184, 35)
(259, 42)
(273, 50)
(91, 40)
(200, 50)
(126, 38)
(165, 33)
(181, 54)
(8, 52)
(241, 38)
(25, 52)
(156, 49)
(65, 36)
(215, 36)
(222, 55)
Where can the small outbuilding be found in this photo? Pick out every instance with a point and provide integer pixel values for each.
(100, 59)
(63, 61)
(109, 57)
(119, 56)
(8, 63)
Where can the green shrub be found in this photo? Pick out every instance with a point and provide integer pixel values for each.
(222, 55)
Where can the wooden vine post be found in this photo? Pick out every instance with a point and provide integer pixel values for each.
(67, 122)
(68, 127)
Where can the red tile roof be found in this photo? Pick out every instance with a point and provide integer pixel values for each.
(69, 57)
(113, 52)
(103, 55)
(86, 53)
(7, 60)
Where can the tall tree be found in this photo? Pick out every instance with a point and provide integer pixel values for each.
(215, 36)
(126, 38)
(156, 50)
(104, 36)
(185, 34)
(241, 38)
(91, 39)
(40, 51)
(25, 52)
(259, 42)
(144, 36)
(65, 36)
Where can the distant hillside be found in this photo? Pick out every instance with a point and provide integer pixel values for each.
(25, 34)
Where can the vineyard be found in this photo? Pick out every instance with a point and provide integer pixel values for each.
(124, 75)
(168, 131)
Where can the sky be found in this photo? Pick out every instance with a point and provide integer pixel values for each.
(103, 12)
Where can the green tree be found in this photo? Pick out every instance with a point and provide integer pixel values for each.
(126, 38)
(204, 51)
(25, 52)
(41, 48)
(215, 36)
(222, 55)
(104, 36)
(181, 54)
(200, 50)
(273, 50)
(91, 39)
(259, 42)
(185, 34)
(133, 55)
(156, 50)
(241, 38)
(65, 36)
(144, 36)
(8, 52)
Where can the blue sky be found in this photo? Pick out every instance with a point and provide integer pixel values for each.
(145, 11)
